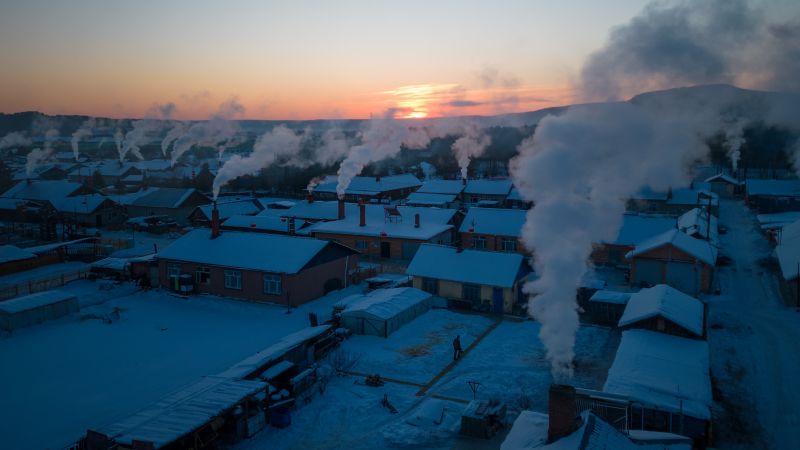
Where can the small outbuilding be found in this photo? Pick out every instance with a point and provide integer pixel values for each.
(36, 308)
(383, 311)
(724, 185)
(665, 309)
(605, 306)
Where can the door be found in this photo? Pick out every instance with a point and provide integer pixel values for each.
(683, 277)
(648, 272)
(386, 250)
(497, 300)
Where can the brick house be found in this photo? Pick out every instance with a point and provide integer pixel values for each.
(676, 259)
(635, 229)
(493, 229)
(271, 268)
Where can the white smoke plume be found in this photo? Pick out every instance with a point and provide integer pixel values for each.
(177, 130)
(428, 169)
(276, 143)
(118, 138)
(146, 130)
(314, 183)
(86, 129)
(14, 139)
(578, 168)
(734, 139)
(219, 131)
(39, 156)
(102, 142)
(470, 145)
(382, 138)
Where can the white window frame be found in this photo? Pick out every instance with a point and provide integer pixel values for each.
(509, 245)
(233, 279)
(478, 238)
(202, 270)
(273, 284)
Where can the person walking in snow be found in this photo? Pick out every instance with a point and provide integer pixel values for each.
(457, 348)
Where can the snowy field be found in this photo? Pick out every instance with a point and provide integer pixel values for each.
(511, 366)
(420, 349)
(78, 372)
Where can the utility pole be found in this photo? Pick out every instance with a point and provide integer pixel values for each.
(708, 219)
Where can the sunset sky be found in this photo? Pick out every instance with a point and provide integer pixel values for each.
(297, 59)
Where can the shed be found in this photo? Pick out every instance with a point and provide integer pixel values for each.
(384, 311)
(605, 306)
(36, 308)
(665, 309)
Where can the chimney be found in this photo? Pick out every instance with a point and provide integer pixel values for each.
(563, 410)
(416, 220)
(463, 181)
(341, 209)
(310, 198)
(290, 227)
(669, 193)
(377, 178)
(362, 214)
(214, 222)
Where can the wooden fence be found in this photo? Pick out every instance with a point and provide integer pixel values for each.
(42, 284)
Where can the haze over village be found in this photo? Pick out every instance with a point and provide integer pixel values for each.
(510, 225)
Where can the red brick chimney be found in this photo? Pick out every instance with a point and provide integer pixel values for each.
(563, 411)
(341, 209)
(416, 220)
(310, 198)
(362, 214)
(214, 222)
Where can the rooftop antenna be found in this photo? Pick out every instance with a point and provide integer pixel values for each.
(473, 386)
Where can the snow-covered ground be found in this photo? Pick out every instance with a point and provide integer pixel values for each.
(754, 342)
(77, 372)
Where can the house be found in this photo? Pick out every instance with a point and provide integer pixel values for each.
(112, 171)
(486, 192)
(773, 196)
(89, 210)
(52, 171)
(724, 185)
(313, 211)
(439, 193)
(636, 227)
(668, 380)
(472, 279)
(676, 259)
(14, 259)
(266, 224)
(585, 431)
(389, 232)
(515, 200)
(788, 253)
(445, 187)
(667, 310)
(228, 207)
(17, 210)
(493, 229)
(393, 187)
(605, 306)
(647, 200)
(255, 266)
(382, 311)
(176, 203)
(47, 190)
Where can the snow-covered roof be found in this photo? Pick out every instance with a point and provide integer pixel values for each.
(251, 251)
(515, 195)
(79, 203)
(118, 264)
(488, 187)
(42, 189)
(10, 253)
(371, 185)
(316, 210)
(775, 220)
(384, 303)
(662, 371)
(638, 227)
(274, 352)
(45, 248)
(161, 197)
(790, 232)
(722, 177)
(695, 223)
(788, 253)
(154, 165)
(698, 248)
(667, 302)
(425, 199)
(649, 194)
(495, 221)
(107, 168)
(265, 223)
(452, 187)
(229, 208)
(690, 196)
(433, 221)
(606, 296)
(775, 188)
(33, 301)
(529, 432)
(180, 413)
(487, 268)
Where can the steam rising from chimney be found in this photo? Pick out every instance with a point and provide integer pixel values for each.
(734, 141)
(14, 139)
(85, 130)
(146, 130)
(280, 141)
(38, 156)
(219, 131)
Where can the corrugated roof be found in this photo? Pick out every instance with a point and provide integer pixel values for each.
(385, 303)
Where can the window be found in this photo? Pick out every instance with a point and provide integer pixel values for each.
(272, 284)
(233, 279)
(471, 292)
(202, 275)
(361, 244)
(430, 285)
(478, 242)
(509, 245)
(173, 270)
